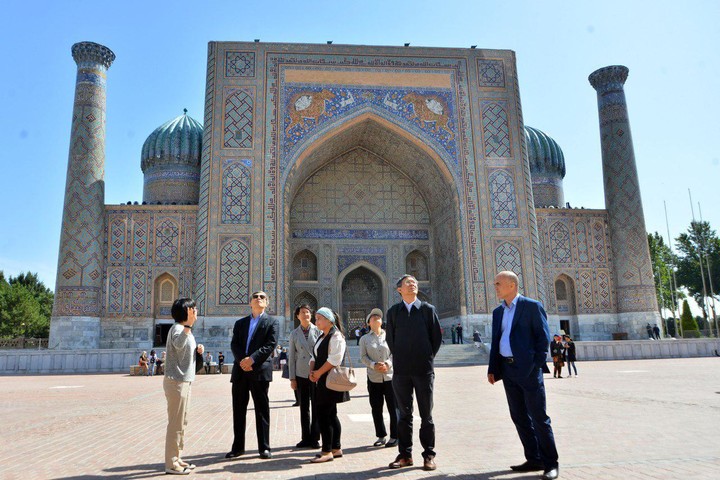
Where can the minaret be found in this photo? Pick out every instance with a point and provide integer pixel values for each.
(76, 312)
(634, 284)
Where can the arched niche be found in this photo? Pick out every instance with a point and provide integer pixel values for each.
(165, 292)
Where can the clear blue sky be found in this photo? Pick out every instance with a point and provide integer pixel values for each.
(669, 46)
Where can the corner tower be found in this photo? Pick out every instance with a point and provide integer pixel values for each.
(76, 312)
(636, 300)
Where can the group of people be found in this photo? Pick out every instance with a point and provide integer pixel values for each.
(562, 351)
(456, 334)
(150, 365)
(209, 363)
(653, 332)
(398, 352)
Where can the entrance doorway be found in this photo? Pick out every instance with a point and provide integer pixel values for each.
(361, 292)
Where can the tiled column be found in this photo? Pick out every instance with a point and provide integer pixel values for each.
(634, 284)
(78, 289)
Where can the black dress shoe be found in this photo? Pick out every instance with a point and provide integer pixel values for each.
(265, 454)
(528, 467)
(232, 454)
(391, 443)
(307, 444)
(551, 474)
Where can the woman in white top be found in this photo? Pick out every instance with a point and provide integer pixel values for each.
(328, 352)
(375, 355)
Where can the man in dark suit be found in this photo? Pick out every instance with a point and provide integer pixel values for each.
(520, 339)
(413, 336)
(253, 341)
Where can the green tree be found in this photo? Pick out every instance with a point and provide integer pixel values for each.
(699, 240)
(25, 307)
(663, 260)
(688, 323)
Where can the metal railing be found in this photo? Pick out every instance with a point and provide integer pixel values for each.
(22, 342)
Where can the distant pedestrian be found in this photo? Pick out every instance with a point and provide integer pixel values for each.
(221, 362)
(208, 362)
(459, 331)
(650, 332)
(152, 360)
(454, 334)
(357, 335)
(656, 331)
(570, 355)
(477, 339)
(557, 352)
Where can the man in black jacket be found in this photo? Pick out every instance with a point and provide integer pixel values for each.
(253, 341)
(414, 338)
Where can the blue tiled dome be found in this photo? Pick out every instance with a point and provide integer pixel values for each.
(544, 154)
(170, 161)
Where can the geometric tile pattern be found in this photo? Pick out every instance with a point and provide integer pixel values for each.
(202, 259)
(238, 120)
(117, 240)
(359, 188)
(304, 266)
(595, 293)
(582, 243)
(306, 298)
(560, 243)
(491, 73)
(167, 242)
(234, 281)
(344, 261)
(236, 190)
(130, 280)
(240, 64)
(507, 257)
(496, 131)
(502, 200)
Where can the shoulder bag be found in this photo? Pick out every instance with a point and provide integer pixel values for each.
(341, 378)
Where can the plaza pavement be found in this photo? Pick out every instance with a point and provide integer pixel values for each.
(635, 419)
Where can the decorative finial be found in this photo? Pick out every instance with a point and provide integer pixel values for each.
(184, 111)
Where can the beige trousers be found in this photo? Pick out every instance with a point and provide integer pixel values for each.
(178, 401)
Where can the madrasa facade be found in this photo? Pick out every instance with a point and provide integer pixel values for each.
(321, 173)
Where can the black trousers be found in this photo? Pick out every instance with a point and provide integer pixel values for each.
(330, 428)
(526, 399)
(422, 385)
(241, 391)
(308, 414)
(379, 393)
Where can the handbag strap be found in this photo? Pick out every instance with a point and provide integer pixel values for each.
(347, 356)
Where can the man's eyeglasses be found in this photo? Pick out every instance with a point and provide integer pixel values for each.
(259, 295)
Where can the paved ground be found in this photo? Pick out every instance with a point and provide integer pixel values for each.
(623, 419)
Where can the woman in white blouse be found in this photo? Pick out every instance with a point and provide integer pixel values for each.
(375, 355)
(328, 352)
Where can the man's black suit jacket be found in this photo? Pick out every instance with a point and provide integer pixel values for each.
(262, 344)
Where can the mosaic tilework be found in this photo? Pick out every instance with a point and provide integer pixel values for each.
(236, 192)
(361, 234)
(560, 247)
(344, 261)
(460, 166)
(431, 113)
(234, 273)
(359, 188)
(167, 242)
(502, 200)
(508, 257)
(304, 266)
(201, 257)
(560, 243)
(117, 239)
(238, 123)
(491, 73)
(633, 270)
(239, 64)
(159, 240)
(581, 238)
(305, 298)
(80, 267)
(496, 130)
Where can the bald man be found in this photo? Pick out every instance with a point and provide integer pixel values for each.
(520, 339)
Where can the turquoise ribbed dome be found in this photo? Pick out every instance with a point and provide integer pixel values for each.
(544, 154)
(178, 141)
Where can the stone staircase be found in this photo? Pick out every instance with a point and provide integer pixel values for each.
(448, 356)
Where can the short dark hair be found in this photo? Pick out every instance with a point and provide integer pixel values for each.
(179, 308)
(300, 307)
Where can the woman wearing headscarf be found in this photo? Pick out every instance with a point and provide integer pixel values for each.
(328, 352)
(375, 355)
(179, 375)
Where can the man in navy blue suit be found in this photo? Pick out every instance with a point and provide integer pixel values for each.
(520, 339)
